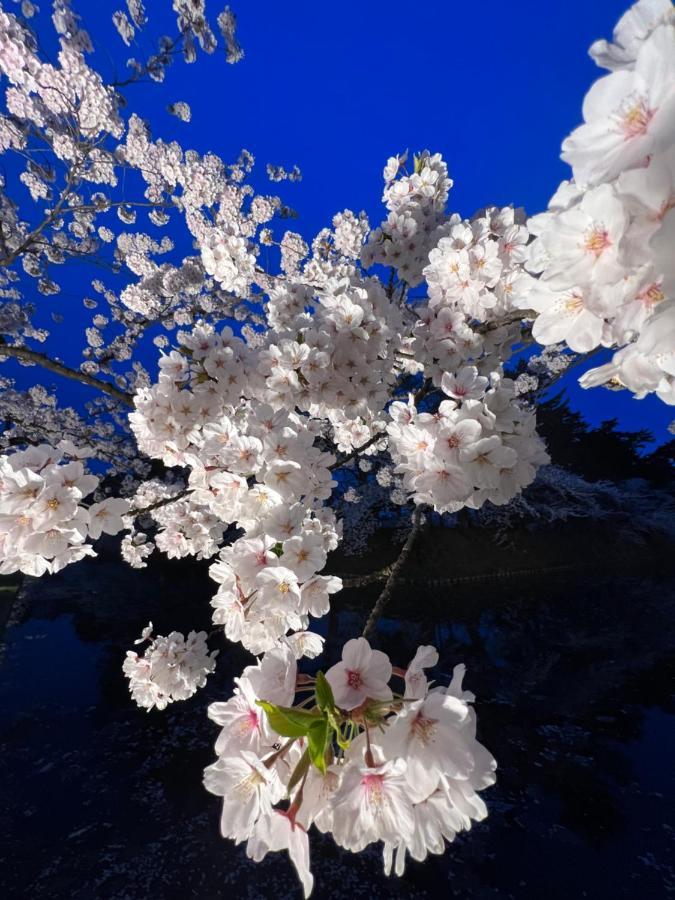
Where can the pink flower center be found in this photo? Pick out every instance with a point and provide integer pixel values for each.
(635, 118)
(373, 787)
(354, 679)
(597, 240)
(651, 295)
(249, 722)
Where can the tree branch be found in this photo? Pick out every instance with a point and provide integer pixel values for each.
(384, 597)
(162, 58)
(355, 452)
(53, 365)
(357, 581)
(159, 503)
(518, 316)
(71, 180)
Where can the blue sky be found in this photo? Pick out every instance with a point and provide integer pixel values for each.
(337, 88)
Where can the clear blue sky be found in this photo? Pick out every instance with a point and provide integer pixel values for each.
(338, 87)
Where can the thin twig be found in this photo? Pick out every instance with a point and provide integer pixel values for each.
(357, 581)
(357, 450)
(510, 319)
(68, 189)
(165, 502)
(426, 388)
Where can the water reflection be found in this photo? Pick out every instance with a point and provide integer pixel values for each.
(574, 680)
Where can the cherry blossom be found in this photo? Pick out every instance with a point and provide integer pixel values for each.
(412, 787)
(172, 668)
(248, 788)
(628, 114)
(634, 26)
(604, 248)
(361, 675)
(372, 804)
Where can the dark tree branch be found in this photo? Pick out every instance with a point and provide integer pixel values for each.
(32, 356)
(138, 511)
(385, 596)
(357, 581)
(355, 452)
(71, 181)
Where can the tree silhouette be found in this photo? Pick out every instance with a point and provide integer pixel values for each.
(605, 452)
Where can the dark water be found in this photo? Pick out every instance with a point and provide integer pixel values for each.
(574, 679)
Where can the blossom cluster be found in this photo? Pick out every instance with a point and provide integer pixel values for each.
(68, 130)
(269, 588)
(252, 464)
(480, 444)
(478, 289)
(604, 248)
(335, 354)
(44, 523)
(45, 92)
(355, 758)
(416, 204)
(171, 668)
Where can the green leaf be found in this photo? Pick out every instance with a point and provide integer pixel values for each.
(287, 721)
(324, 693)
(299, 771)
(278, 549)
(317, 741)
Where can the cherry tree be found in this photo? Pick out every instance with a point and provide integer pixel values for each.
(369, 364)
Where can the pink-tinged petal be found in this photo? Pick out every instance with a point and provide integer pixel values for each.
(298, 850)
(468, 430)
(336, 676)
(356, 653)
(607, 93)
(377, 690)
(346, 685)
(379, 667)
(350, 698)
